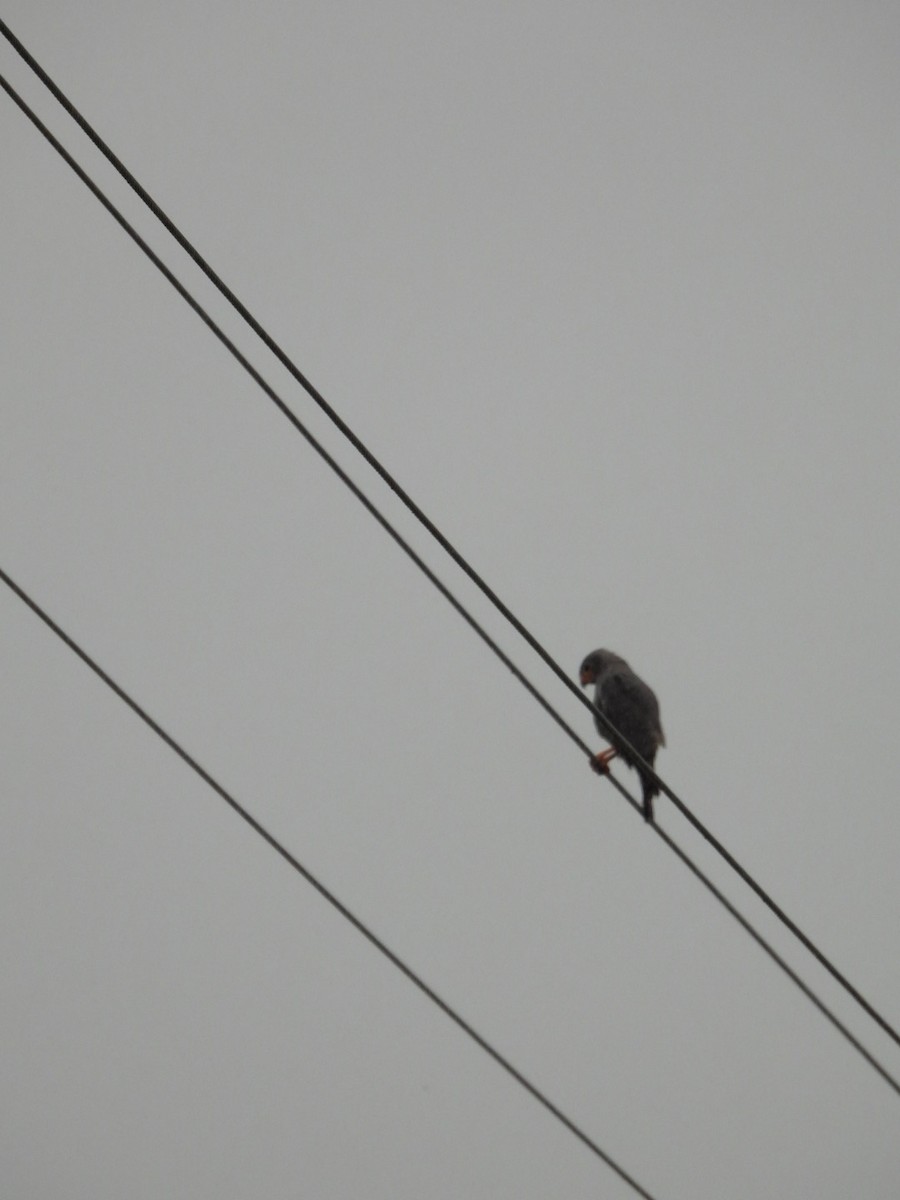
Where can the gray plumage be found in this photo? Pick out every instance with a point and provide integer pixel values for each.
(632, 709)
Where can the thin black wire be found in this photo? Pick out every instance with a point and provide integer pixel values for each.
(323, 891)
(295, 421)
(444, 591)
(408, 550)
(435, 532)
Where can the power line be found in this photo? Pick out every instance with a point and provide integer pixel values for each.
(426, 570)
(427, 523)
(295, 421)
(359, 925)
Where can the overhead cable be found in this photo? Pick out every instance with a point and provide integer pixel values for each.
(406, 547)
(436, 533)
(359, 925)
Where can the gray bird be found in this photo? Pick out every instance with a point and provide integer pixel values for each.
(633, 711)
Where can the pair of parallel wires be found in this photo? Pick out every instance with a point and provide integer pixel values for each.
(474, 576)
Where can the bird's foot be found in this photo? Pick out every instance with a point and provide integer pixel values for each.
(600, 762)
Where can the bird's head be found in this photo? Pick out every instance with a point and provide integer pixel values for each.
(595, 664)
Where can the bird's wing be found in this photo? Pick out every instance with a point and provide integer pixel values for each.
(633, 709)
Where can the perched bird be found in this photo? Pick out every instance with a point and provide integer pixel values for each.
(632, 710)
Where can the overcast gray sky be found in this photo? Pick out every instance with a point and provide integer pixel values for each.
(612, 288)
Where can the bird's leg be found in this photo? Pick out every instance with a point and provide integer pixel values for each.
(600, 762)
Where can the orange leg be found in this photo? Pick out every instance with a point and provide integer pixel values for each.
(600, 762)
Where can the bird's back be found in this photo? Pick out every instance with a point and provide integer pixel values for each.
(632, 708)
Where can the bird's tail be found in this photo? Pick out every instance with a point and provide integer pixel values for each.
(650, 790)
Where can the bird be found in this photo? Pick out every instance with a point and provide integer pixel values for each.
(631, 707)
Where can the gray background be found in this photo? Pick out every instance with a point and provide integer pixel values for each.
(613, 290)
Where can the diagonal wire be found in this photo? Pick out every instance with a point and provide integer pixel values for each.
(430, 575)
(295, 421)
(436, 533)
(325, 893)
(174, 745)
(402, 543)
